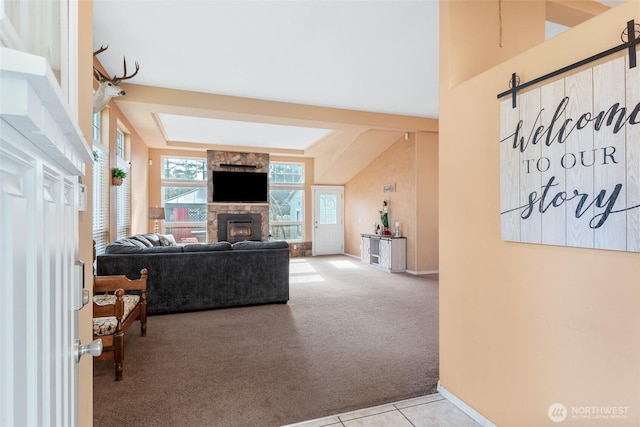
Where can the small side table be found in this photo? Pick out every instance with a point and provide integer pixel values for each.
(386, 252)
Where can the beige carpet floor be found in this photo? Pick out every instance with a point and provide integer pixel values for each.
(351, 336)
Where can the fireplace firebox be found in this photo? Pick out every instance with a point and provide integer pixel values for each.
(237, 227)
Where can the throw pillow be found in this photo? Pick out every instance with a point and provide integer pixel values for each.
(167, 239)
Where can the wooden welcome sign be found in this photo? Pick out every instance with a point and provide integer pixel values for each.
(570, 161)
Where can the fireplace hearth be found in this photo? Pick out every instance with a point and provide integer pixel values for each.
(237, 227)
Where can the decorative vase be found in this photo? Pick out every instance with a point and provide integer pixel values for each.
(116, 181)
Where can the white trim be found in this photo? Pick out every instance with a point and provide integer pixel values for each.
(419, 273)
(477, 417)
(314, 207)
(415, 273)
(55, 130)
(69, 54)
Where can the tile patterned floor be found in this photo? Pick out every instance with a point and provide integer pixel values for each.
(427, 411)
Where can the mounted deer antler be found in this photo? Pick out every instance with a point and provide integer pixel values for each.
(108, 87)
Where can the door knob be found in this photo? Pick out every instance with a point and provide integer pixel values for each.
(94, 348)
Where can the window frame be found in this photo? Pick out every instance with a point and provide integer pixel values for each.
(288, 186)
(183, 183)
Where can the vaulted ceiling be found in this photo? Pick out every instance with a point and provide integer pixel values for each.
(339, 81)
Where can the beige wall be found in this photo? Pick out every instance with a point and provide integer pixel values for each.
(426, 214)
(364, 196)
(139, 156)
(137, 153)
(85, 229)
(412, 165)
(523, 326)
(488, 34)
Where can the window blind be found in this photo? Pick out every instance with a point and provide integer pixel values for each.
(101, 179)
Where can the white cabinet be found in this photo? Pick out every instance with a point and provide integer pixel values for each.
(386, 252)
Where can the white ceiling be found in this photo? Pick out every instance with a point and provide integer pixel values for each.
(374, 56)
(234, 132)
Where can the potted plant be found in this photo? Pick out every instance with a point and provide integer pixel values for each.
(117, 175)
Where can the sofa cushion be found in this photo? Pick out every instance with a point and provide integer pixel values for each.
(152, 238)
(246, 245)
(162, 249)
(142, 243)
(218, 246)
(142, 239)
(124, 246)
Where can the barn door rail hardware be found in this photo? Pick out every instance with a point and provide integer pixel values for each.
(629, 37)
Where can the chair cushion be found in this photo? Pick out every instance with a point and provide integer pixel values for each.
(107, 325)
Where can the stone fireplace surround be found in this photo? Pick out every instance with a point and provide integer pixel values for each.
(214, 161)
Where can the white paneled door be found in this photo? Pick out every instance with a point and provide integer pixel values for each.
(328, 221)
(42, 153)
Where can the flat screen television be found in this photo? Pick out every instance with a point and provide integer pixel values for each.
(240, 187)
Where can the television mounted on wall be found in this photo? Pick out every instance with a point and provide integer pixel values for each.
(240, 187)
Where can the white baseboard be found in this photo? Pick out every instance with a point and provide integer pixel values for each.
(477, 417)
(419, 273)
(415, 273)
(351, 255)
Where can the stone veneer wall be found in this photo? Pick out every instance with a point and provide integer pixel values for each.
(214, 160)
(300, 249)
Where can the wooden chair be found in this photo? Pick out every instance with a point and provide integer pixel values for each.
(114, 311)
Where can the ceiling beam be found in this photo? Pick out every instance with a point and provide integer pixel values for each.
(573, 12)
(357, 138)
(199, 104)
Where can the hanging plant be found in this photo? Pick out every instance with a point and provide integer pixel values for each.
(117, 175)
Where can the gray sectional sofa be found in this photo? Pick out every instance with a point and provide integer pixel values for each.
(201, 276)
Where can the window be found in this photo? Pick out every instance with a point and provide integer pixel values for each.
(184, 196)
(328, 209)
(120, 145)
(286, 201)
(96, 127)
(101, 179)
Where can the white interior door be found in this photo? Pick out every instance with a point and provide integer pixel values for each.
(37, 222)
(41, 155)
(328, 220)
